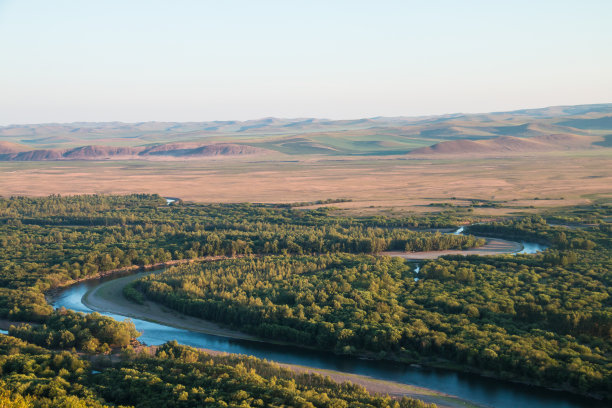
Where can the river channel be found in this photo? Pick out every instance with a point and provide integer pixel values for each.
(474, 388)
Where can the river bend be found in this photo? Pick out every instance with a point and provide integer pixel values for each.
(471, 387)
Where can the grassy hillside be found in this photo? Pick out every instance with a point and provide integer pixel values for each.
(309, 136)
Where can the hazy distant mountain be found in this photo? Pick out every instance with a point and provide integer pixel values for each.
(507, 144)
(174, 151)
(588, 126)
(10, 147)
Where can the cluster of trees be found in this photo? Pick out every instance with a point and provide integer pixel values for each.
(594, 214)
(439, 242)
(35, 377)
(173, 376)
(46, 242)
(317, 202)
(180, 376)
(525, 317)
(84, 332)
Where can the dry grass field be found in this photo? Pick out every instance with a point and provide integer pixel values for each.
(373, 184)
(559, 155)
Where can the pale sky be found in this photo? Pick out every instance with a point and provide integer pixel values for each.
(131, 61)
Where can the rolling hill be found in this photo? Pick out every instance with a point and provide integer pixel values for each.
(528, 130)
(175, 151)
(10, 147)
(507, 144)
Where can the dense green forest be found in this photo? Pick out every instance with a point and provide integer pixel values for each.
(67, 330)
(172, 376)
(546, 318)
(308, 277)
(46, 242)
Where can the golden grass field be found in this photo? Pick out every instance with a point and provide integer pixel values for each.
(390, 183)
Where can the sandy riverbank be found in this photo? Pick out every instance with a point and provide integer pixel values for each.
(138, 268)
(372, 385)
(493, 246)
(391, 388)
(108, 297)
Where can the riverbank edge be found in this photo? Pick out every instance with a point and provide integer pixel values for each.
(424, 361)
(97, 307)
(374, 386)
(424, 394)
(51, 292)
(478, 251)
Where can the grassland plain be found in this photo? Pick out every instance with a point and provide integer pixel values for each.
(381, 164)
(374, 184)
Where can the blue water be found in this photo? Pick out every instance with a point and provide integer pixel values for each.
(531, 248)
(477, 389)
(528, 247)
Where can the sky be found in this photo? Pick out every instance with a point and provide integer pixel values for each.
(133, 61)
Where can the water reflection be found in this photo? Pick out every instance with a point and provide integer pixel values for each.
(531, 248)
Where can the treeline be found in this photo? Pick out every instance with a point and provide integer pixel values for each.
(440, 242)
(569, 245)
(45, 242)
(180, 376)
(317, 202)
(173, 376)
(535, 228)
(594, 214)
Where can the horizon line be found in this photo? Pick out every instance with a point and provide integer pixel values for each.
(449, 114)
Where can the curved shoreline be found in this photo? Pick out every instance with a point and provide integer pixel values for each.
(108, 298)
(135, 269)
(493, 246)
(373, 385)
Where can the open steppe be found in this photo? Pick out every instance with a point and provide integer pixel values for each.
(515, 160)
(373, 184)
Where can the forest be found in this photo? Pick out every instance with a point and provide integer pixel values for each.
(172, 376)
(307, 277)
(48, 242)
(545, 319)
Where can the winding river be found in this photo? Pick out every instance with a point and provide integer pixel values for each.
(479, 390)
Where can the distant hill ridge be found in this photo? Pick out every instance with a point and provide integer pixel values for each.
(506, 144)
(164, 151)
(272, 123)
(528, 130)
(10, 147)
